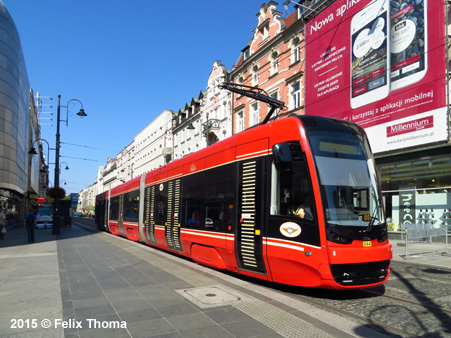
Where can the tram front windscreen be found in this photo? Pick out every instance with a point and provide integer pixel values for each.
(349, 185)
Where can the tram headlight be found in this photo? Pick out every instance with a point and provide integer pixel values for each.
(336, 238)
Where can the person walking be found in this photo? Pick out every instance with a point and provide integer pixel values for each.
(30, 222)
(2, 223)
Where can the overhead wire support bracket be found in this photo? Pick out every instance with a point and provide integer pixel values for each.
(257, 94)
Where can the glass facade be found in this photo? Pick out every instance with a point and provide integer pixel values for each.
(416, 187)
(14, 109)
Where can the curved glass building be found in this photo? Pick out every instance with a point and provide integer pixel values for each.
(14, 114)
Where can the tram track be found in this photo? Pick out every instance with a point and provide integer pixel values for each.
(377, 325)
(399, 299)
(408, 305)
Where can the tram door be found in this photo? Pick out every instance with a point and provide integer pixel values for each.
(106, 206)
(120, 221)
(150, 217)
(249, 237)
(173, 215)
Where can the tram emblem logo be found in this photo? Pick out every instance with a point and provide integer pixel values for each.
(290, 229)
(193, 167)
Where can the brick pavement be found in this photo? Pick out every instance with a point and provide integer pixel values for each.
(93, 284)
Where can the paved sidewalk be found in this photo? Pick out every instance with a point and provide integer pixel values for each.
(434, 254)
(93, 284)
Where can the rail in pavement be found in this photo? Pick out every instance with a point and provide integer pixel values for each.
(84, 279)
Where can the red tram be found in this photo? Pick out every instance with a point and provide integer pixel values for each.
(295, 201)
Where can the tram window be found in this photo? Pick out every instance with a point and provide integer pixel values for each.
(291, 189)
(131, 206)
(208, 199)
(193, 213)
(193, 201)
(114, 208)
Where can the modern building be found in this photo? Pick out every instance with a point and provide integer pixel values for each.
(19, 125)
(153, 145)
(126, 163)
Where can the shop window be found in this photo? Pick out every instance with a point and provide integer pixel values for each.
(417, 191)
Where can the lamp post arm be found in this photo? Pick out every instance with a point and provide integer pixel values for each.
(67, 108)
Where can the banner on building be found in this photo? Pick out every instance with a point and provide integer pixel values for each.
(380, 64)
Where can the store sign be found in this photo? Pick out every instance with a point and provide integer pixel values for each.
(407, 203)
(74, 198)
(382, 66)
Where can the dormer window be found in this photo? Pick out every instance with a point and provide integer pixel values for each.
(265, 32)
(264, 29)
(245, 53)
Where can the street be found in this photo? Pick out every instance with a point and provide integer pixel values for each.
(93, 284)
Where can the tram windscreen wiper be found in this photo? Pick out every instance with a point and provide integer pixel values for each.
(373, 217)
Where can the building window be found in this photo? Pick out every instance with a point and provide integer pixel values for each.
(255, 76)
(265, 32)
(295, 95)
(240, 121)
(296, 51)
(274, 63)
(254, 114)
(245, 53)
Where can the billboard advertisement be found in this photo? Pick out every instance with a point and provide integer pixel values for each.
(380, 64)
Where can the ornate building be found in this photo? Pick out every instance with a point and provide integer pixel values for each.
(273, 60)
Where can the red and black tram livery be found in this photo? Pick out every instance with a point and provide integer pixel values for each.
(295, 201)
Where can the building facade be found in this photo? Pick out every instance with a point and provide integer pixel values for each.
(19, 126)
(273, 61)
(126, 163)
(153, 145)
(397, 90)
(187, 128)
(216, 107)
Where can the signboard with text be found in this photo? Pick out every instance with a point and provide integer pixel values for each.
(380, 64)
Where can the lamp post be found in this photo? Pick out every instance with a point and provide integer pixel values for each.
(81, 113)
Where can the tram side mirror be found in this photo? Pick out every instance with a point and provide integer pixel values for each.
(282, 155)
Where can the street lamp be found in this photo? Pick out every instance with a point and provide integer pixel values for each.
(81, 113)
(67, 166)
(32, 150)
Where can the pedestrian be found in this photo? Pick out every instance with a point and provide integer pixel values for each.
(30, 222)
(2, 223)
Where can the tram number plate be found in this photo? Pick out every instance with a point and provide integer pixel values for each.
(367, 243)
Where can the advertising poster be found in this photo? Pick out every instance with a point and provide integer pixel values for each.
(380, 64)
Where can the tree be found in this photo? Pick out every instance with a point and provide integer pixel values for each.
(56, 192)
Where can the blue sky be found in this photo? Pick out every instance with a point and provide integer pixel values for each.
(126, 61)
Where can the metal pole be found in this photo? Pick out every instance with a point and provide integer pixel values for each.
(208, 131)
(56, 183)
(57, 146)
